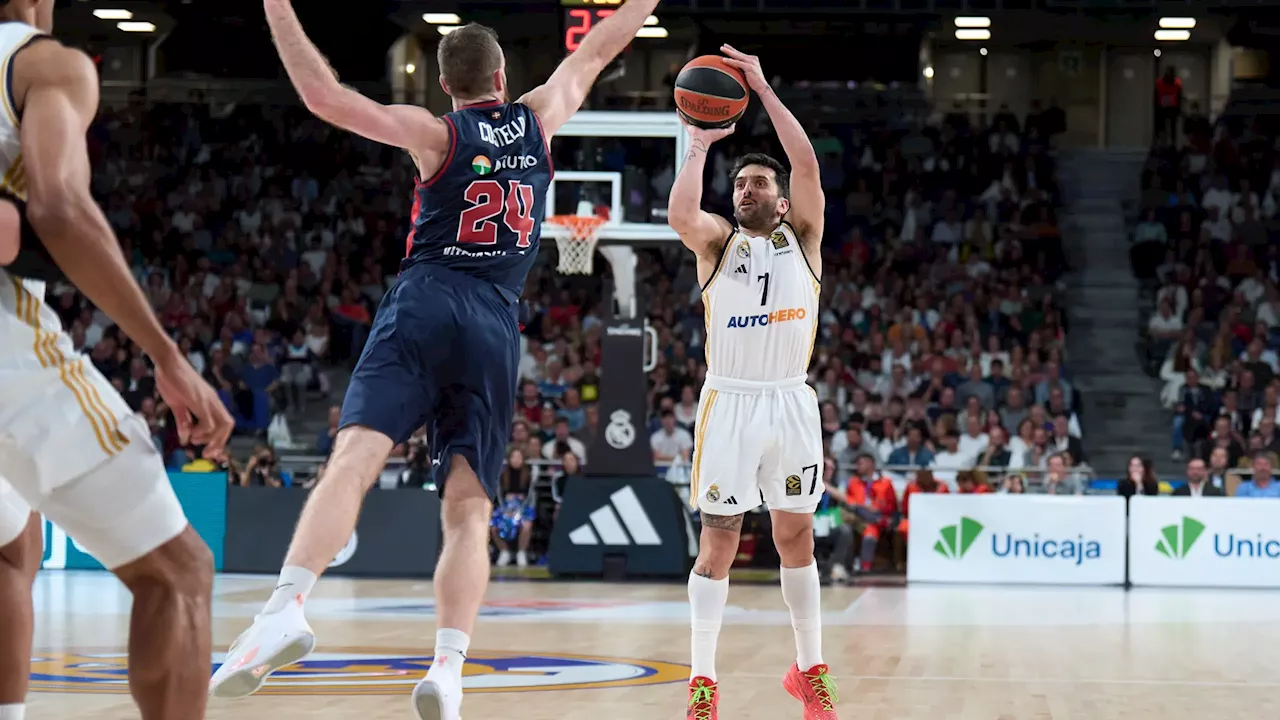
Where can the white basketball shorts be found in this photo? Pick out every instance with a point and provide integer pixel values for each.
(756, 443)
(69, 445)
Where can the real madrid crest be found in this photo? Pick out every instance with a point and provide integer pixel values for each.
(620, 433)
(713, 494)
(744, 250)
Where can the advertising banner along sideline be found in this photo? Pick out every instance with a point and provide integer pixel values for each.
(1017, 539)
(204, 500)
(1204, 542)
(397, 535)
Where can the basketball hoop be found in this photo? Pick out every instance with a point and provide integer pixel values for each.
(578, 248)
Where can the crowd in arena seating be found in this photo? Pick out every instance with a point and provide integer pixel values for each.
(265, 240)
(1206, 244)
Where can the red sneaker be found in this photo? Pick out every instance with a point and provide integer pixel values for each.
(815, 688)
(704, 695)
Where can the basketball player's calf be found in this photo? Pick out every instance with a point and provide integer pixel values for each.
(19, 562)
(708, 593)
(170, 644)
(808, 680)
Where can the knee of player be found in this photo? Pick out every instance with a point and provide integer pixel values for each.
(183, 566)
(793, 540)
(462, 512)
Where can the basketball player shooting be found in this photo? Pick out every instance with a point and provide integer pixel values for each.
(70, 447)
(444, 346)
(758, 435)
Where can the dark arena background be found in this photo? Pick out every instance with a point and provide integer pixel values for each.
(1046, 358)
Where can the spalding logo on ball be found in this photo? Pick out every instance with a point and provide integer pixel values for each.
(710, 93)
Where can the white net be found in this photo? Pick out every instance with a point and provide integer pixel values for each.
(578, 247)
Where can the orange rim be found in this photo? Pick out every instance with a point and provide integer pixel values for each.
(580, 227)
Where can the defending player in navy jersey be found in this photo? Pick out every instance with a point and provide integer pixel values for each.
(443, 348)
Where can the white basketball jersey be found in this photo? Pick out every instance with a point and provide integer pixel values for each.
(761, 309)
(13, 37)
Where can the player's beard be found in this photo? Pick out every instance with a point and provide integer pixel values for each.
(759, 217)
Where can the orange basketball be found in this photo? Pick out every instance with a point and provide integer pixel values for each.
(711, 93)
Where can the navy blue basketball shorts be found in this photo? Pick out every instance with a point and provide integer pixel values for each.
(443, 352)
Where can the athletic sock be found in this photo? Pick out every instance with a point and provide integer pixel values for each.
(802, 591)
(451, 653)
(13, 712)
(707, 599)
(295, 584)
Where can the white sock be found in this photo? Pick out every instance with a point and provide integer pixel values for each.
(707, 599)
(802, 591)
(451, 653)
(295, 582)
(13, 712)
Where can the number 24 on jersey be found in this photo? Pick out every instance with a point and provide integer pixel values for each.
(489, 200)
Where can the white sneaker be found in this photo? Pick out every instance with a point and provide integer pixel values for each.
(522, 559)
(839, 574)
(272, 642)
(504, 558)
(438, 698)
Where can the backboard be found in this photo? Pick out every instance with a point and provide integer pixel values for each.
(620, 164)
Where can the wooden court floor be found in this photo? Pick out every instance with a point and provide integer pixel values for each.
(575, 651)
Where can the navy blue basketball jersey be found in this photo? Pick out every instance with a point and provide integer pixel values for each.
(481, 212)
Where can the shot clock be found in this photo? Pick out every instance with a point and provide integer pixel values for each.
(580, 16)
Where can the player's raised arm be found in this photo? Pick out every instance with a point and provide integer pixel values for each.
(564, 92)
(57, 89)
(404, 126)
(700, 231)
(808, 204)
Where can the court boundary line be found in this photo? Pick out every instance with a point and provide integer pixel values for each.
(1053, 681)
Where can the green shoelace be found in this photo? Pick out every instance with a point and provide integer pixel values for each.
(700, 700)
(825, 688)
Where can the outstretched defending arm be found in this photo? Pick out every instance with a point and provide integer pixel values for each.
(700, 231)
(57, 90)
(560, 97)
(808, 204)
(404, 126)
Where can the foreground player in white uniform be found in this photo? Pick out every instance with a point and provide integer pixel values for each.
(758, 433)
(69, 445)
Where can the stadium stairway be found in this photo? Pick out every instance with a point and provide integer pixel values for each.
(1121, 411)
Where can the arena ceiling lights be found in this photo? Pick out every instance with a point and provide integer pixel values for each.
(973, 28)
(441, 19)
(136, 27)
(111, 14)
(1175, 29)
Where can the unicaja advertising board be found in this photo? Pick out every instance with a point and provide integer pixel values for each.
(1011, 539)
(1204, 542)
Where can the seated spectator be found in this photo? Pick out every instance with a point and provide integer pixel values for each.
(950, 461)
(913, 453)
(297, 371)
(1059, 480)
(1140, 477)
(1013, 484)
(562, 442)
(671, 443)
(514, 512)
(262, 470)
(970, 482)
(1198, 483)
(869, 508)
(1262, 485)
(569, 469)
(924, 482)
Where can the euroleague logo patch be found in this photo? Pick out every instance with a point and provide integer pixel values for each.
(369, 672)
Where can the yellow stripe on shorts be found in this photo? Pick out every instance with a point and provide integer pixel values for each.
(106, 427)
(700, 437)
